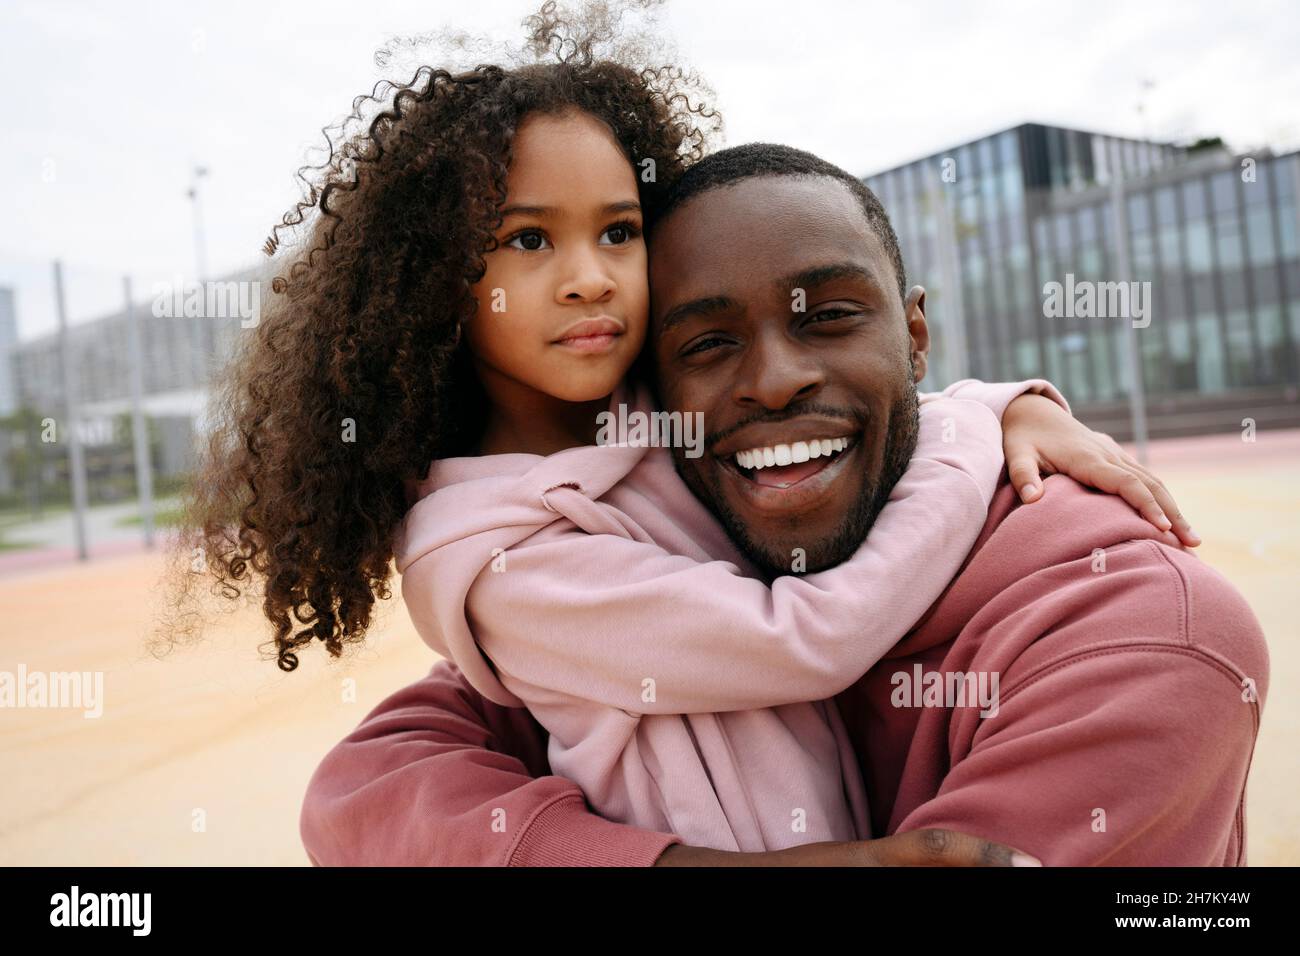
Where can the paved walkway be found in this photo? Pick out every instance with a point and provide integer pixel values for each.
(203, 757)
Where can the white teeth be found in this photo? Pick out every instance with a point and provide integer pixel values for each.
(794, 453)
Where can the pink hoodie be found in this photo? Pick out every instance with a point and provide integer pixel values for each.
(1125, 667)
(538, 577)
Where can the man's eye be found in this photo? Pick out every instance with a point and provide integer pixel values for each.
(829, 315)
(703, 345)
(530, 240)
(620, 233)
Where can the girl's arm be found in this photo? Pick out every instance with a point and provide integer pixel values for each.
(625, 623)
(1041, 437)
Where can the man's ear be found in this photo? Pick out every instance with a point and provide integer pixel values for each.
(919, 332)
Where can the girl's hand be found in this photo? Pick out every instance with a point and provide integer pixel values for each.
(1040, 437)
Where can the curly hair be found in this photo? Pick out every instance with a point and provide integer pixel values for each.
(357, 376)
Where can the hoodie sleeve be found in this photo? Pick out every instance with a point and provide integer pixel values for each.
(1125, 723)
(623, 622)
(997, 395)
(437, 775)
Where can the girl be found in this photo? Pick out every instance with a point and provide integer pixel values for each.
(584, 581)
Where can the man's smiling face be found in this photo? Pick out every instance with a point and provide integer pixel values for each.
(729, 269)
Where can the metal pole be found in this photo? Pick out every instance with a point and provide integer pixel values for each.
(76, 459)
(1137, 389)
(203, 331)
(139, 432)
(951, 298)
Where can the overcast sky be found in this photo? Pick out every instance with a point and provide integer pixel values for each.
(110, 106)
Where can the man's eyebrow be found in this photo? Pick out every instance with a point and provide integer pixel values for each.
(541, 212)
(816, 275)
(704, 306)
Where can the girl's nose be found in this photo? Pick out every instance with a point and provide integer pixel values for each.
(586, 279)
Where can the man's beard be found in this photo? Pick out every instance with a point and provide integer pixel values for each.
(900, 443)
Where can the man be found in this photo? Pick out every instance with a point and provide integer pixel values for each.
(1127, 678)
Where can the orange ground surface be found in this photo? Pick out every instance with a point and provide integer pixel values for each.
(214, 730)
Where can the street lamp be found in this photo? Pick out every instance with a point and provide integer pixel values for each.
(203, 334)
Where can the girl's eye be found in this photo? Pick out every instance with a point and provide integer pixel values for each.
(530, 240)
(620, 233)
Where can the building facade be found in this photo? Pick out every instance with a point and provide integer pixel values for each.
(180, 353)
(1209, 238)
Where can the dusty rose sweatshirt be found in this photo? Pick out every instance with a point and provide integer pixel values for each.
(1125, 687)
(680, 691)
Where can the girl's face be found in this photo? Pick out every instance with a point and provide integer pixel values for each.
(562, 307)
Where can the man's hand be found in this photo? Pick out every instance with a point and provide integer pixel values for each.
(916, 848)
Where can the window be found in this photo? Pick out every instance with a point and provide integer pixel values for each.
(1198, 246)
(1223, 189)
(1027, 359)
(1194, 199)
(1088, 224)
(1074, 349)
(1285, 170)
(1155, 364)
(1139, 213)
(1272, 345)
(988, 178)
(1061, 234)
(1100, 165)
(1240, 358)
(1142, 253)
(1256, 193)
(1171, 256)
(1166, 206)
(1102, 367)
(1180, 340)
(1229, 241)
(1209, 354)
(1287, 229)
(1259, 234)
(1009, 168)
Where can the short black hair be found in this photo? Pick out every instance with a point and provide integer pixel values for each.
(738, 163)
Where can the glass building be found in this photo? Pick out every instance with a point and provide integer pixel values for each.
(987, 225)
(179, 355)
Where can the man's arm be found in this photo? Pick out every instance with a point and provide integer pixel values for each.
(436, 775)
(1130, 699)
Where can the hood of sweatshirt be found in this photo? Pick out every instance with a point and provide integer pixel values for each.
(469, 510)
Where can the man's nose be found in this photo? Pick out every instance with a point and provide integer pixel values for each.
(585, 278)
(776, 371)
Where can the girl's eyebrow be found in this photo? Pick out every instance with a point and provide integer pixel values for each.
(542, 212)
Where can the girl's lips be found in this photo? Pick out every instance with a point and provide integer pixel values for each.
(591, 335)
(591, 343)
